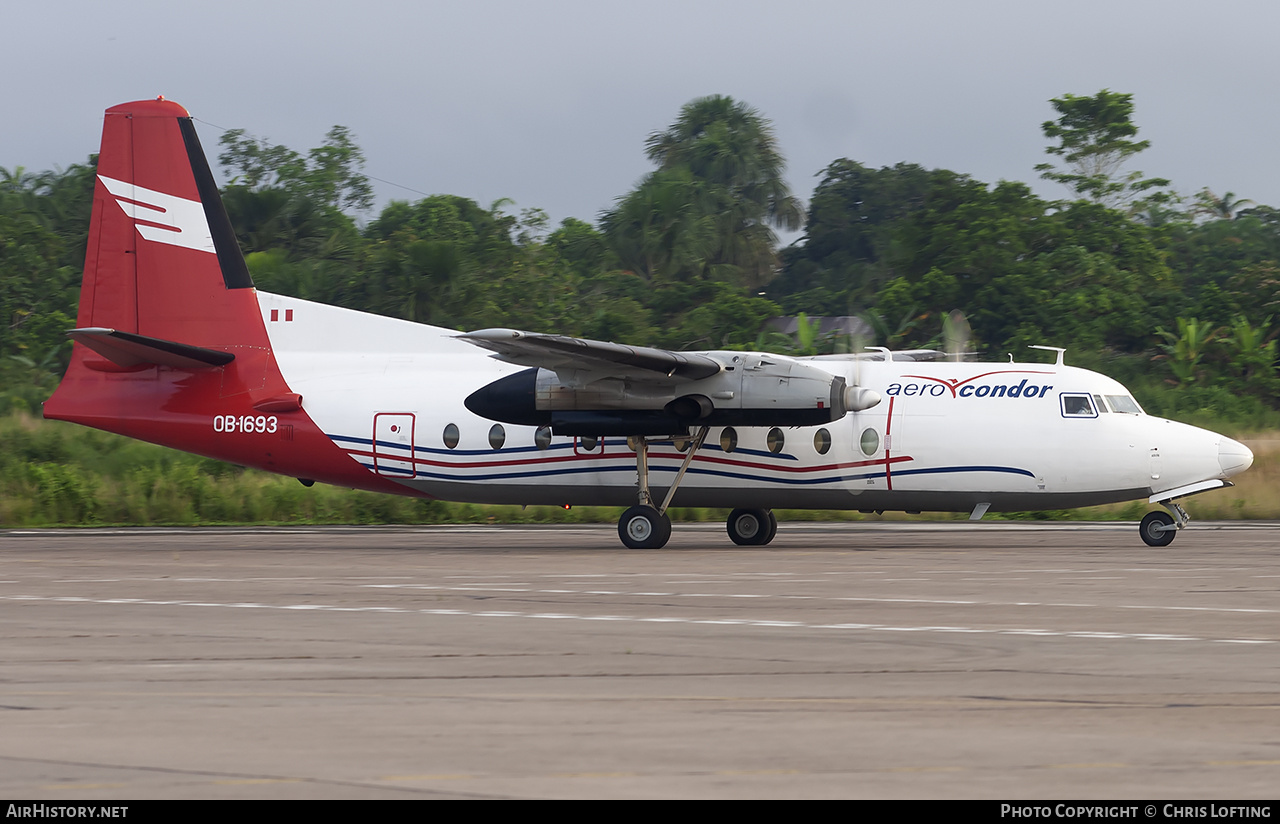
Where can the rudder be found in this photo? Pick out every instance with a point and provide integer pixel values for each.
(162, 260)
(167, 308)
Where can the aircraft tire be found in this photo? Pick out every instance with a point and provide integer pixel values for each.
(1153, 529)
(751, 527)
(642, 527)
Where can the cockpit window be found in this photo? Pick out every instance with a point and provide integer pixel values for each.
(1078, 406)
(1099, 403)
(1124, 403)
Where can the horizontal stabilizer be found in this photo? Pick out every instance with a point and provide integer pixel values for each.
(128, 350)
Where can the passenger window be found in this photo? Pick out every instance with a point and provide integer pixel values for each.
(729, 438)
(451, 436)
(1078, 406)
(775, 440)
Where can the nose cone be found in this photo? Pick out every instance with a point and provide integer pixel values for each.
(1234, 457)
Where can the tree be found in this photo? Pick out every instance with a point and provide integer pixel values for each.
(664, 230)
(1211, 206)
(1094, 139)
(1251, 355)
(727, 143)
(706, 212)
(330, 174)
(1185, 349)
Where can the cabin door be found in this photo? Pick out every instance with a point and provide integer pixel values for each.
(393, 444)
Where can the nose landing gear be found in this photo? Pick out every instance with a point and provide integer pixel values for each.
(1160, 528)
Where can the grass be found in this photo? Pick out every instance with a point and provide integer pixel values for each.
(58, 474)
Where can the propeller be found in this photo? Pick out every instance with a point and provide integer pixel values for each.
(956, 335)
(858, 398)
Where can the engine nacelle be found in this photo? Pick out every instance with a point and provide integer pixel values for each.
(750, 390)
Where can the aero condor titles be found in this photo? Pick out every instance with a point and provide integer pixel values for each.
(925, 385)
(174, 345)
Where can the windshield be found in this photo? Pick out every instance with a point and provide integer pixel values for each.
(1124, 403)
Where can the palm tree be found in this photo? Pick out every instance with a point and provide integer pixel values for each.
(728, 143)
(1213, 207)
(706, 212)
(665, 230)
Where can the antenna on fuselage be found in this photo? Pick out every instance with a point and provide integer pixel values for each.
(1061, 352)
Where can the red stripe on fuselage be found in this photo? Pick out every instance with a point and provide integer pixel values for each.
(678, 456)
(888, 432)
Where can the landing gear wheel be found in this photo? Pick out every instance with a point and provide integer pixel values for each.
(751, 527)
(1157, 529)
(642, 527)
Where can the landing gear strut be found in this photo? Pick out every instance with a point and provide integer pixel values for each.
(643, 526)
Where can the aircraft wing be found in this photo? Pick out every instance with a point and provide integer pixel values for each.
(560, 353)
(879, 355)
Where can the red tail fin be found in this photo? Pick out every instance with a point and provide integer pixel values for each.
(167, 309)
(162, 260)
(172, 347)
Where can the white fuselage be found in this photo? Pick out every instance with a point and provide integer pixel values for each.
(946, 436)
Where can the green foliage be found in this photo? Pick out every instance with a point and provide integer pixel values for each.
(1251, 357)
(1213, 207)
(854, 237)
(705, 213)
(1185, 349)
(727, 144)
(1094, 139)
(329, 175)
(665, 230)
(1242, 356)
(38, 295)
(720, 317)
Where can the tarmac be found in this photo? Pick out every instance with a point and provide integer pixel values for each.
(997, 660)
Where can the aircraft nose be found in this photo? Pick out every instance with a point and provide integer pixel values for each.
(1234, 457)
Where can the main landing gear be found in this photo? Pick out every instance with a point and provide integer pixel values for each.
(1160, 528)
(645, 527)
(752, 527)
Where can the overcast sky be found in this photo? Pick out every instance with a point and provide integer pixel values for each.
(549, 102)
